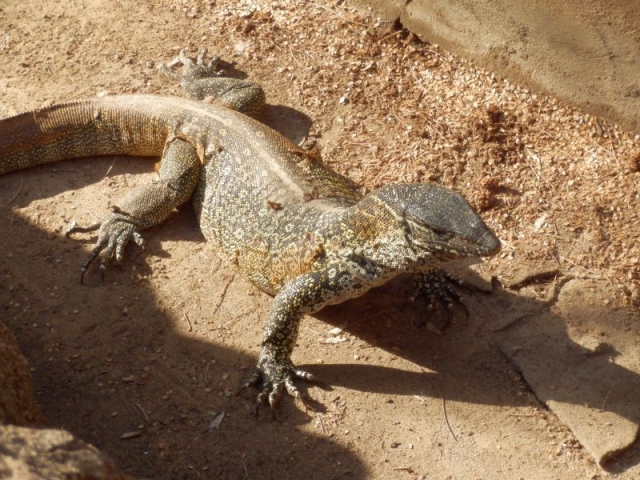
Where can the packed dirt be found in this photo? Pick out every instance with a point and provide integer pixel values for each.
(144, 364)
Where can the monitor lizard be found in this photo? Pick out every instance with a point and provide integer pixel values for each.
(296, 229)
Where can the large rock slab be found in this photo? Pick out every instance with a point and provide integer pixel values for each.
(583, 366)
(17, 401)
(586, 53)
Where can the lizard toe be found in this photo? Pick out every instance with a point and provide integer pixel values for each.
(272, 378)
(304, 375)
(275, 395)
(192, 69)
(116, 231)
(437, 288)
(95, 253)
(295, 392)
(201, 54)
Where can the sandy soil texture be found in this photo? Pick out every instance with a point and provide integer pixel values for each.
(144, 364)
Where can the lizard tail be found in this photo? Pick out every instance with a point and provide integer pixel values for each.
(76, 130)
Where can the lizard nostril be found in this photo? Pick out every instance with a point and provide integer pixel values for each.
(489, 243)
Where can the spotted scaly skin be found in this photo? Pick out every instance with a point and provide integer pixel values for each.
(296, 229)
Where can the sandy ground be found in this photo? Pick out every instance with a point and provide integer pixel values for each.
(142, 364)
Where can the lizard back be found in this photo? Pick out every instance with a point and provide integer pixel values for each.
(259, 197)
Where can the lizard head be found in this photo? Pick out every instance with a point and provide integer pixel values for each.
(435, 222)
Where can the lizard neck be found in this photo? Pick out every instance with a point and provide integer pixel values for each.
(372, 233)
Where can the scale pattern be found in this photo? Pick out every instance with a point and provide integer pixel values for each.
(296, 229)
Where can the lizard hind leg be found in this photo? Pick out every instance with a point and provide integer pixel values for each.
(192, 70)
(200, 81)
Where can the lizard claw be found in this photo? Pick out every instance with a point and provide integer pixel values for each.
(437, 288)
(273, 378)
(200, 81)
(192, 69)
(211, 64)
(115, 231)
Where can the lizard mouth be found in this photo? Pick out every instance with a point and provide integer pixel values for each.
(489, 244)
(449, 246)
(485, 245)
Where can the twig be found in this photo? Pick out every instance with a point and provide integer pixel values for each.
(321, 423)
(589, 272)
(143, 412)
(603, 148)
(418, 82)
(295, 59)
(333, 12)
(605, 400)
(391, 35)
(535, 157)
(444, 406)
(15, 195)
(206, 373)
(404, 469)
(146, 19)
(613, 149)
(111, 167)
(224, 292)
(188, 321)
(133, 407)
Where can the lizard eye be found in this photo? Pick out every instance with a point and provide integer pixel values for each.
(417, 235)
(442, 235)
(426, 237)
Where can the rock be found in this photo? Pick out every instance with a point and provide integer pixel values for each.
(587, 61)
(583, 367)
(30, 453)
(27, 452)
(17, 401)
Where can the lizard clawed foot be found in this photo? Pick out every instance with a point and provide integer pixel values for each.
(116, 230)
(437, 288)
(272, 378)
(192, 69)
(200, 81)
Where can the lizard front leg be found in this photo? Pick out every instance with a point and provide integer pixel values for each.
(306, 294)
(144, 206)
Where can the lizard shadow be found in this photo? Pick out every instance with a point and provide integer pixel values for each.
(289, 122)
(466, 364)
(475, 363)
(116, 357)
